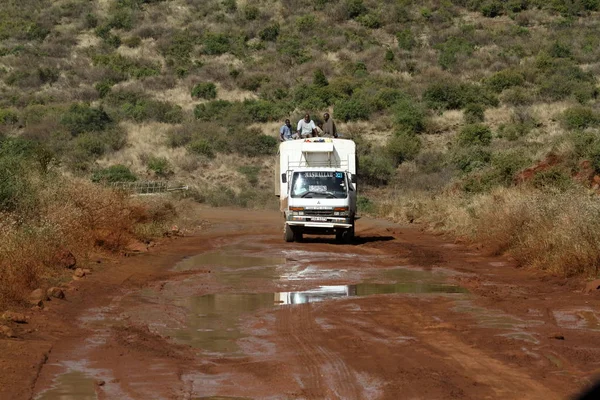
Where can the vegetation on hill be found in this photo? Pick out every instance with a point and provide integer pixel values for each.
(449, 101)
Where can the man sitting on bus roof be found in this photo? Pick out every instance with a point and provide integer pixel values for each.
(285, 132)
(306, 127)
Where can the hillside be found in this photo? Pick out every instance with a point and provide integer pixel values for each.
(449, 102)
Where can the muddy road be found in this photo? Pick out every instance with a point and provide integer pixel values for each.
(236, 313)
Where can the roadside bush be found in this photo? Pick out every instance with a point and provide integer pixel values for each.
(82, 117)
(474, 135)
(204, 90)
(403, 146)
(114, 173)
(579, 118)
(375, 169)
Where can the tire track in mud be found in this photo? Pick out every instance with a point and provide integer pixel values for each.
(324, 372)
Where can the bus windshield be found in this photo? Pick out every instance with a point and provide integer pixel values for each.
(319, 184)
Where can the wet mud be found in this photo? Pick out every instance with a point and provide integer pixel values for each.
(236, 313)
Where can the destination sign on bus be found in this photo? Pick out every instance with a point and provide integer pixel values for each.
(323, 174)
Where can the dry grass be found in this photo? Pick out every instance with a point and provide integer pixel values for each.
(73, 215)
(551, 231)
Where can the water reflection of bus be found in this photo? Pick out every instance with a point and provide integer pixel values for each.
(314, 295)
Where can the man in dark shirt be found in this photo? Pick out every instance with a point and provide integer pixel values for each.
(329, 129)
(285, 132)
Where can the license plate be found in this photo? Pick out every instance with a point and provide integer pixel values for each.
(323, 219)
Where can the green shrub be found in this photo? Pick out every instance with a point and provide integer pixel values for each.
(152, 110)
(452, 49)
(251, 173)
(251, 12)
(365, 205)
(370, 20)
(230, 6)
(553, 178)
(252, 143)
(474, 113)
(15, 188)
(355, 8)
(204, 90)
(409, 115)
(406, 39)
(213, 110)
(560, 50)
(262, 110)
(133, 42)
(202, 147)
(292, 50)
(403, 146)
(386, 98)
(126, 67)
(104, 87)
(269, 33)
(579, 118)
(352, 110)
(506, 164)
(114, 173)
(82, 117)
(319, 78)
(475, 135)
(492, 8)
(376, 169)
(306, 23)
(90, 145)
(504, 79)
(216, 43)
(8, 116)
(159, 165)
(455, 96)
(389, 55)
(471, 159)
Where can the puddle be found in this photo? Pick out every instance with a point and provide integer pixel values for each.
(213, 320)
(74, 385)
(583, 318)
(218, 259)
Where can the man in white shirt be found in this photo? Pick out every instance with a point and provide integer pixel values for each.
(306, 127)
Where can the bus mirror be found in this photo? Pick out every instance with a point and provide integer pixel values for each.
(284, 178)
(353, 178)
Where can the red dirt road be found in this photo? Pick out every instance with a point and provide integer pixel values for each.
(235, 312)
